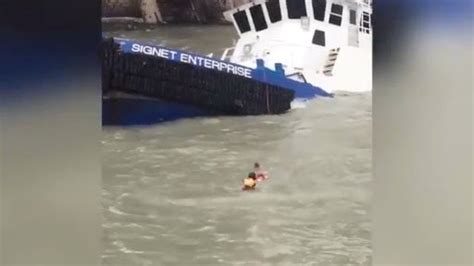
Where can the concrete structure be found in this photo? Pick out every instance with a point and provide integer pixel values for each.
(170, 11)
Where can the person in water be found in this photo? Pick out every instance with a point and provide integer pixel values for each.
(250, 182)
(259, 172)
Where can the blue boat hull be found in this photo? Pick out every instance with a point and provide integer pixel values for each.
(189, 80)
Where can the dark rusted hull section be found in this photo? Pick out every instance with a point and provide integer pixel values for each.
(182, 83)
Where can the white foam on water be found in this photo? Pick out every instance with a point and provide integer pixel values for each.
(298, 104)
(205, 228)
(123, 195)
(121, 246)
(141, 149)
(134, 225)
(146, 179)
(210, 121)
(111, 225)
(129, 251)
(114, 210)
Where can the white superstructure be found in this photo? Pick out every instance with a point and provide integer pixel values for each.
(327, 43)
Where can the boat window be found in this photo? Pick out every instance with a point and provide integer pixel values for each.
(336, 15)
(319, 38)
(319, 9)
(336, 20)
(242, 21)
(336, 9)
(274, 12)
(365, 23)
(365, 17)
(258, 18)
(296, 8)
(352, 17)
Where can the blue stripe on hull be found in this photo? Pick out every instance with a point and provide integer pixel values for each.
(302, 90)
(143, 111)
(261, 73)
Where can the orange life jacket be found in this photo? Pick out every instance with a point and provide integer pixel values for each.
(249, 182)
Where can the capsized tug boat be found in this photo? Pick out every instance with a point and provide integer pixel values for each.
(287, 50)
(327, 43)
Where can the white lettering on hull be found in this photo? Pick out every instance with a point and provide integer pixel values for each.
(192, 59)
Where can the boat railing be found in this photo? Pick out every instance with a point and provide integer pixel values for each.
(299, 75)
(227, 54)
(366, 3)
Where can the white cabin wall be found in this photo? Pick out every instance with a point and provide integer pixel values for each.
(252, 25)
(353, 70)
(289, 43)
(338, 36)
(284, 9)
(309, 10)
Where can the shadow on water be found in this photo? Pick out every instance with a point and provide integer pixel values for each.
(144, 111)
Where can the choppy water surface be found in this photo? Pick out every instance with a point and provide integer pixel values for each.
(171, 192)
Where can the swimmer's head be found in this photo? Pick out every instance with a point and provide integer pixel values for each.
(252, 175)
(256, 165)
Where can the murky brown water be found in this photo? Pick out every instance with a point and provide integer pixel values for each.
(171, 191)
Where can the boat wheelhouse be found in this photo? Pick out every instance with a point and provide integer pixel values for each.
(287, 50)
(327, 43)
